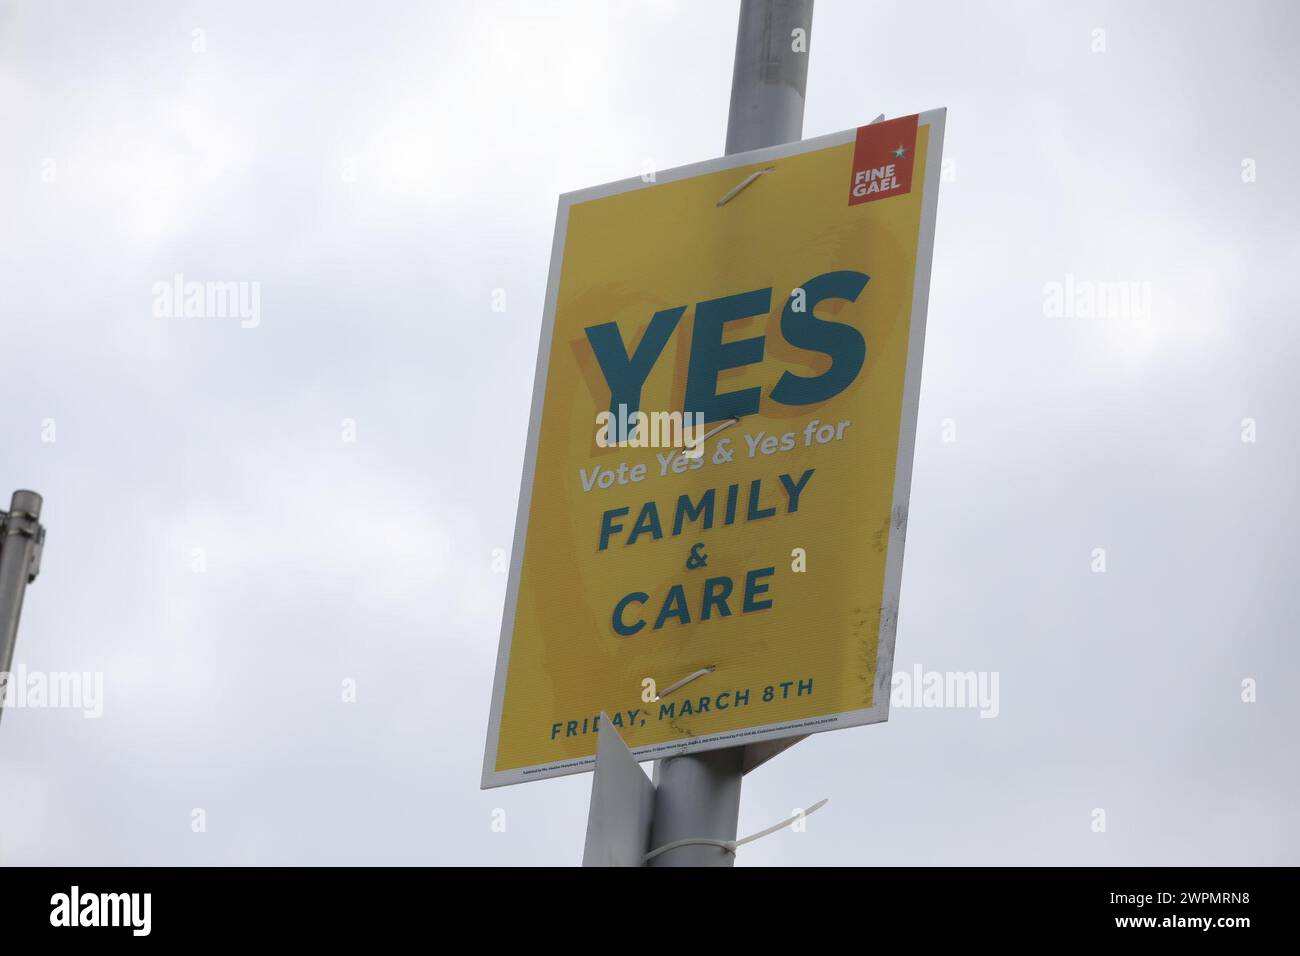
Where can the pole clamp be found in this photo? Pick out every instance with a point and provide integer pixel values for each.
(24, 524)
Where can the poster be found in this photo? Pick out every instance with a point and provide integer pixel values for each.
(709, 542)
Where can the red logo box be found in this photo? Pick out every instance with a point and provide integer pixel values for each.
(882, 160)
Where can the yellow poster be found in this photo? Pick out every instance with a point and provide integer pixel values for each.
(710, 534)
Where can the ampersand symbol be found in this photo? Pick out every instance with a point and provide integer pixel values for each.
(697, 558)
(722, 452)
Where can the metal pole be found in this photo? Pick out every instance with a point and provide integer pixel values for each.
(21, 540)
(698, 796)
(770, 77)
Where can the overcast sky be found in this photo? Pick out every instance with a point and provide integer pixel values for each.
(381, 168)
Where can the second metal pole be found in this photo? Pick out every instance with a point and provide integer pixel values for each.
(698, 796)
(21, 538)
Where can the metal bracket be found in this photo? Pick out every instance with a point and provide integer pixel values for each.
(34, 568)
(24, 524)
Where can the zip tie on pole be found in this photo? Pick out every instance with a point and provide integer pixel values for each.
(783, 824)
(731, 193)
(687, 679)
(731, 845)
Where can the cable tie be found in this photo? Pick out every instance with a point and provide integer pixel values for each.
(730, 845)
(687, 679)
(734, 190)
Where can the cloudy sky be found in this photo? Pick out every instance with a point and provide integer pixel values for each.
(226, 558)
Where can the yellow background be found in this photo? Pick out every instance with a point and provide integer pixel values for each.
(625, 257)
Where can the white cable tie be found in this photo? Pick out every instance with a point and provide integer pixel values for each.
(687, 679)
(784, 823)
(731, 193)
(709, 434)
(730, 845)
(705, 437)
